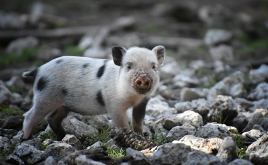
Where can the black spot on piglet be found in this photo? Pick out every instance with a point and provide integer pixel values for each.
(41, 84)
(64, 91)
(100, 98)
(85, 65)
(101, 71)
(59, 61)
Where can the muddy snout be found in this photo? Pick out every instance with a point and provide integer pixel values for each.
(143, 83)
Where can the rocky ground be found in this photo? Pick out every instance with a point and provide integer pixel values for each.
(212, 103)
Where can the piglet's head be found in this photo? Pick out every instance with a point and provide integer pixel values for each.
(139, 67)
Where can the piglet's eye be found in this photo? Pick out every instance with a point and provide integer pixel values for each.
(153, 66)
(129, 65)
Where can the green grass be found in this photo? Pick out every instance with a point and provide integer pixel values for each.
(160, 139)
(17, 89)
(115, 153)
(6, 111)
(27, 54)
(103, 136)
(74, 51)
(240, 142)
(5, 153)
(48, 135)
(252, 46)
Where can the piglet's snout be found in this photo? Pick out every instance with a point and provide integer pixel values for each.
(143, 82)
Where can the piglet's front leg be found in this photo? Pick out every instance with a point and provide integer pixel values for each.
(119, 116)
(138, 114)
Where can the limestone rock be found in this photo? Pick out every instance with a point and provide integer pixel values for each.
(257, 151)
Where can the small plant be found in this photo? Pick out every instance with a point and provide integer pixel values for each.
(9, 150)
(116, 153)
(47, 135)
(242, 152)
(240, 142)
(27, 54)
(6, 111)
(160, 139)
(74, 51)
(17, 89)
(103, 136)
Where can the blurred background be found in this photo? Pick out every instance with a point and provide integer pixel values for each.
(34, 31)
(205, 40)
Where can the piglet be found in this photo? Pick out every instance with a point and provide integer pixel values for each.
(94, 86)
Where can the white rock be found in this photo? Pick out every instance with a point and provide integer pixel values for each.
(260, 104)
(217, 36)
(198, 64)
(99, 121)
(95, 146)
(86, 42)
(259, 75)
(215, 130)
(261, 92)
(178, 132)
(231, 85)
(170, 153)
(29, 153)
(189, 117)
(240, 162)
(4, 143)
(138, 156)
(157, 107)
(215, 15)
(228, 150)
(197, 157)
(189, 94)
(222, 53)
(59, 149)
(80, 129)
(18, 45)
(257, 151)
(170, 68)
(201, 106)
(50, 161)
(71, 139)
(223, 109)
(209, 146)
(83, 160)
(5, 94)
(12, 21)
(253, 134)
(185, 78)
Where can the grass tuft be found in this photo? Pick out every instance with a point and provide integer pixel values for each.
(240, 142)
(6, 111)
(160, 139)
(26, 55)
(103, 136)
(74, 51)
(116, 153)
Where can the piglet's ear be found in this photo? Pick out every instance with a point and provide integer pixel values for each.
(160, 52)
(118, 53)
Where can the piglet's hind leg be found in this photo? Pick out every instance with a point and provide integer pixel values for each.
(55, 120)
(34, 117)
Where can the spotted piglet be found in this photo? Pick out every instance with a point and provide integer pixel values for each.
(94, 86)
